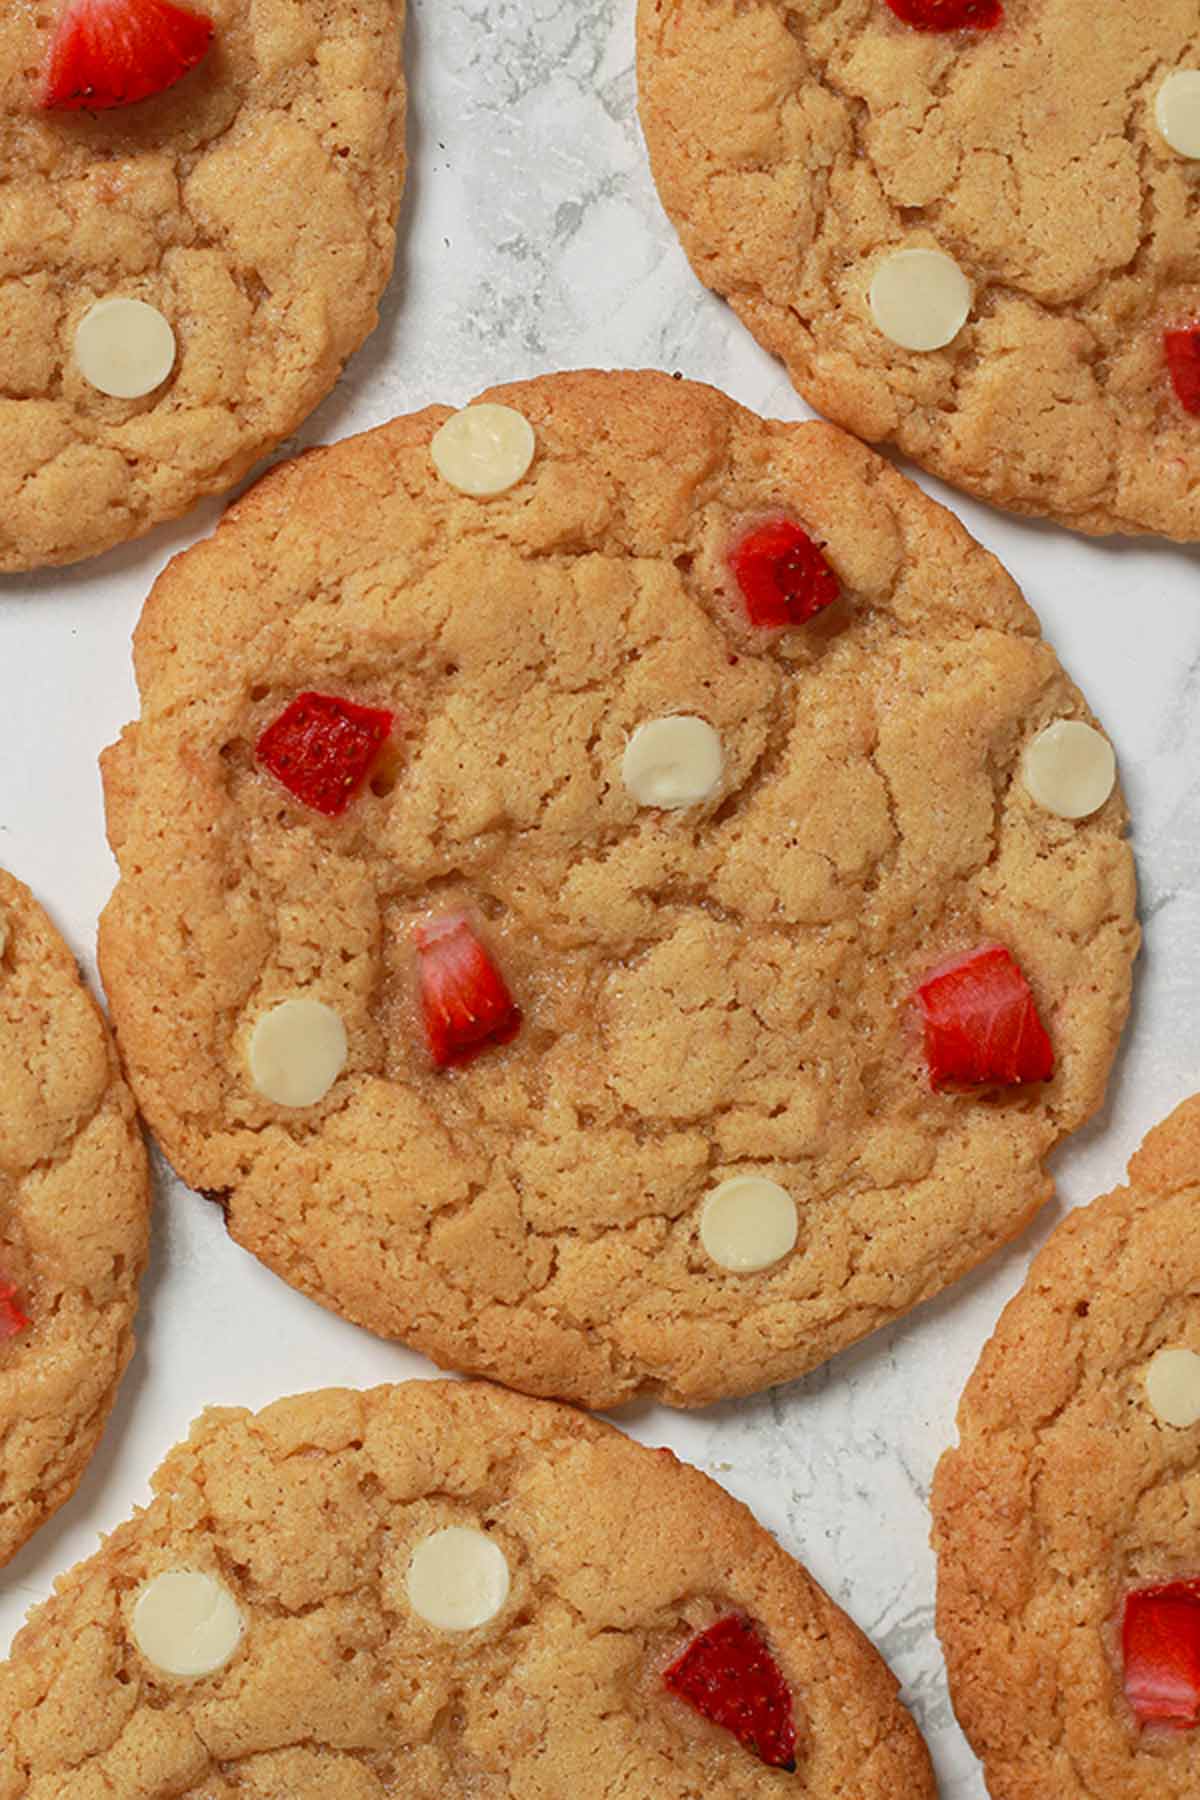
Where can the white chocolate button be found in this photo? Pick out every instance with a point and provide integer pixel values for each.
(1173, 1387)
(458, 1579)
(748, 1223)
(125, 348)
(483, 449)
(187, 1623)
(920, 299)
(1070, 769)
(296, 1052)
(672, 762)
(1177, 111)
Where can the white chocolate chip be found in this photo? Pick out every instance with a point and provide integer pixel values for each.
(125, 348)
(458, 1579)
(1173, 1387)
(748, 1223)
(484, 449)
(920, 299)
(672, 762)
(296, 1052)
(187, 1623)
(1070, 769)
(1177, 111)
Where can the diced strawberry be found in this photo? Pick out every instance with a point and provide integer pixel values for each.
(1183, 360)
(464, 999)
(1160, 1643)
(728, 1674)
(949, 15)
(12, 1320)
(323, 748)
(783, 577)
(981, 1023)
(113, 52)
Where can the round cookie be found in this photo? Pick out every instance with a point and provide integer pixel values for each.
(1071, 1501)
(74, 1212)
(225, 242)
(287, 1617)
(980, 244)
(600, 1070)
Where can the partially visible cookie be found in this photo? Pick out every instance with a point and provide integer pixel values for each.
(970, 228)
(74, 1209)
(182, 278)
(615, 892)
(1067, 1520)
(440, 1591)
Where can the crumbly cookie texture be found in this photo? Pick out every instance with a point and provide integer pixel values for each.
(314, 1518)
(686, 994)
(252, 205)
(797, 147)
(1067, 1490)
(74, 1210)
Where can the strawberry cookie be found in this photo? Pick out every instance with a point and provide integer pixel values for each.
(970, 228)
(74, 1208)
(438, 1591)
(1065, 1520)
(614, 893)
(196, 227)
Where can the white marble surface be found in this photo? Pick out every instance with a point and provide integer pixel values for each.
(532, 239)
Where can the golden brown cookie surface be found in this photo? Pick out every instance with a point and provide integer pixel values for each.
(252, 206)
(332, 1668)
(1075, 1485)
(799, 149)
(74, 1203)
(711, 993)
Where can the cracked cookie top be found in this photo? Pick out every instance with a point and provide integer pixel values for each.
(434, 1590)
(227, 240)
(1065, 1519)
(74, 1208)
(550, 963)
(981, 244)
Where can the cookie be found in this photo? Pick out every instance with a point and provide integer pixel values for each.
(544, 917)
(970, 228)
(74, 1210)
(1068, 1599)
(440, 1589)
(181, 277)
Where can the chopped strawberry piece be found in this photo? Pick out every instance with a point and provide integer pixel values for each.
(728, 1674)
(465, 1002)
(113, 52)
(1160, 1642)
(783, 576)
(323, 748)
(12, 1320)
(949, 15)
(1183, 360)
(981, 1023)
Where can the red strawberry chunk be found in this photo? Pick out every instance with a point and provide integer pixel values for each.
(113, 52)
(12, 1320)
(1183, 360)
(981, 1023)
(949, 15)
(728, 1674)
(1160, 1643)
(323, 748)
(464, 999)
(783, 576)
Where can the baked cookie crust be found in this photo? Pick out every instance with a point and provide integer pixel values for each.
(253, 205)
(309, 1514)
(710, 993)
(796, 146)
(74, 1217)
